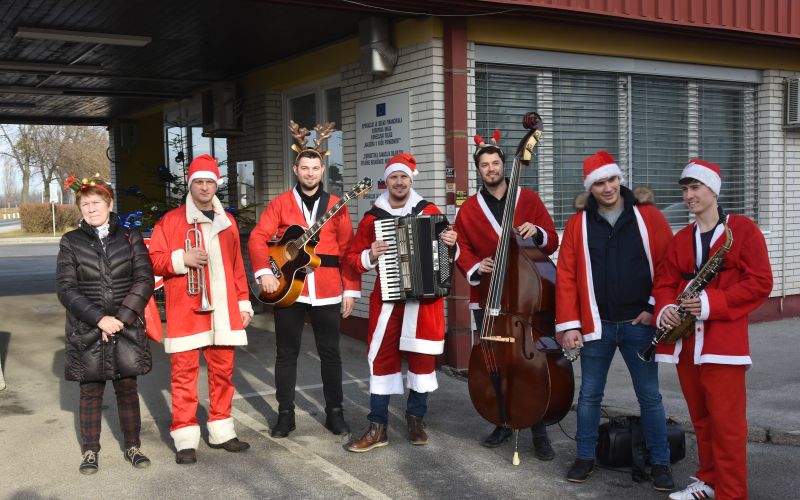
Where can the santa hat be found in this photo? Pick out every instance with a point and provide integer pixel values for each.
(204, 167)
(402, 162)
(599, 166)
(705, 172)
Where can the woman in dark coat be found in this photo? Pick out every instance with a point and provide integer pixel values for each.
(104, 279)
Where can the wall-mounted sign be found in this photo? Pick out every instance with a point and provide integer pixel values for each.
(381, 132)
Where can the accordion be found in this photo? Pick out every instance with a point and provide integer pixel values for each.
(418, 264)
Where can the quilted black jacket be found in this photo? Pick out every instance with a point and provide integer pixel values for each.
(93, 283)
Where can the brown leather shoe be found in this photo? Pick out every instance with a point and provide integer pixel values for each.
(374, 437)
(416, 430)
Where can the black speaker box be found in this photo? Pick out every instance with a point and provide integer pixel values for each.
(615, 442)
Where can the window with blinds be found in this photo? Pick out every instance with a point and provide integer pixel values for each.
(651, 125)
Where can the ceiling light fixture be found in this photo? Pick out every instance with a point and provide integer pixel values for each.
(82, 36)
(50, 68)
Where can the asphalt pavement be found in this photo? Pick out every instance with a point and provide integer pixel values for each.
(40, 450)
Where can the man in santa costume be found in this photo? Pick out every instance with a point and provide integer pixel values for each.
(190, 331)
(713, 358)
(609, 252)
(415, 327)
(478, 225)
(328, 293)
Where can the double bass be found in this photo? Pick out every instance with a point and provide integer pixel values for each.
(518, 375)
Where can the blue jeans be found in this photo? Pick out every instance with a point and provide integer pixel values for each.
(417, 406)
(596, 359)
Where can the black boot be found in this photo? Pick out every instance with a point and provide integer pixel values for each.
(335, 422)
(542, 448)
(498, 436)
(285, 424)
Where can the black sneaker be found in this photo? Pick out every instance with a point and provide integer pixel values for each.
(137, 458)
(89, 463)
(498, 436)
(285, 424)
(335, 422)
(662, 477)
(580, 470)
(542, 449)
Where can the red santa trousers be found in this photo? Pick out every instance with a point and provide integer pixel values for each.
(185, 370)
(717, 401)
(386, 367)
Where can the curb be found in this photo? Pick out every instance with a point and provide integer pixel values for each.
(26, 241)
(755, 434)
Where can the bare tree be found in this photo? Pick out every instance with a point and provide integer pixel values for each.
(9, 176)
(55, 152)
(20, 152)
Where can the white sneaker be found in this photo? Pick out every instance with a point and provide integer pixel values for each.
(698, 490)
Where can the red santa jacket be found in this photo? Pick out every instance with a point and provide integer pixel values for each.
(225, 279)
(743, 284)
(423, 320)
(324, 285)
(576, 307)
(479, 232)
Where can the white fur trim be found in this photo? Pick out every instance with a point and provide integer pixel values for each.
(189, 342)
(221, 431)
(368, 265)
(645, 235)
(421, 345)
(705, 307)
(424, 382)
(666, 358)
(178, 266)
(604, 172)
(488, 214)
(399, 167)
(471, 275)
(544, 237)
(704, 175)
(386, 384)
(651, 300)
(356, 294)
(380, 330)
(661, 313)
(263, 272)
(337, 299)
(186, 438)
(725, 360)
(598, 323)
(408, 330)
(205, 174)
(230, 337)
(246, 306)
(568, 325)
(382, 202)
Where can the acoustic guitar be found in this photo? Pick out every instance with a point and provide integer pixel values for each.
(293, 256)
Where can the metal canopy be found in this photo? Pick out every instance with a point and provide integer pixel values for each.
(89, 61)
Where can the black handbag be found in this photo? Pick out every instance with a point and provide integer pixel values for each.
(621, 443)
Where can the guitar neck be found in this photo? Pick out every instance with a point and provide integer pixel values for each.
(313, 230)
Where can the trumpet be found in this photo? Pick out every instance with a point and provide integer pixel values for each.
(196, 277)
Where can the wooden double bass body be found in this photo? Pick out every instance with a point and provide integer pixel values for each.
(518, 375)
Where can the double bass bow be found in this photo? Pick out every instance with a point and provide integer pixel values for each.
(517, 373)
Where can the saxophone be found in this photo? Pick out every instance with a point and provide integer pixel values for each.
(711, 268)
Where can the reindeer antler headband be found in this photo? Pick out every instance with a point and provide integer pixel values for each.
(301, 134)
(482, 144)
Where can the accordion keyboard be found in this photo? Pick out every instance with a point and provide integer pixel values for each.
(389, 262)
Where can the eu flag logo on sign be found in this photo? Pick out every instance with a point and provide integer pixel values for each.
(380, 109)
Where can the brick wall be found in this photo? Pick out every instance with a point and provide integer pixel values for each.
(779, 184)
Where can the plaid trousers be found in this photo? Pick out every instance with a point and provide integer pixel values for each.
(91, 412)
